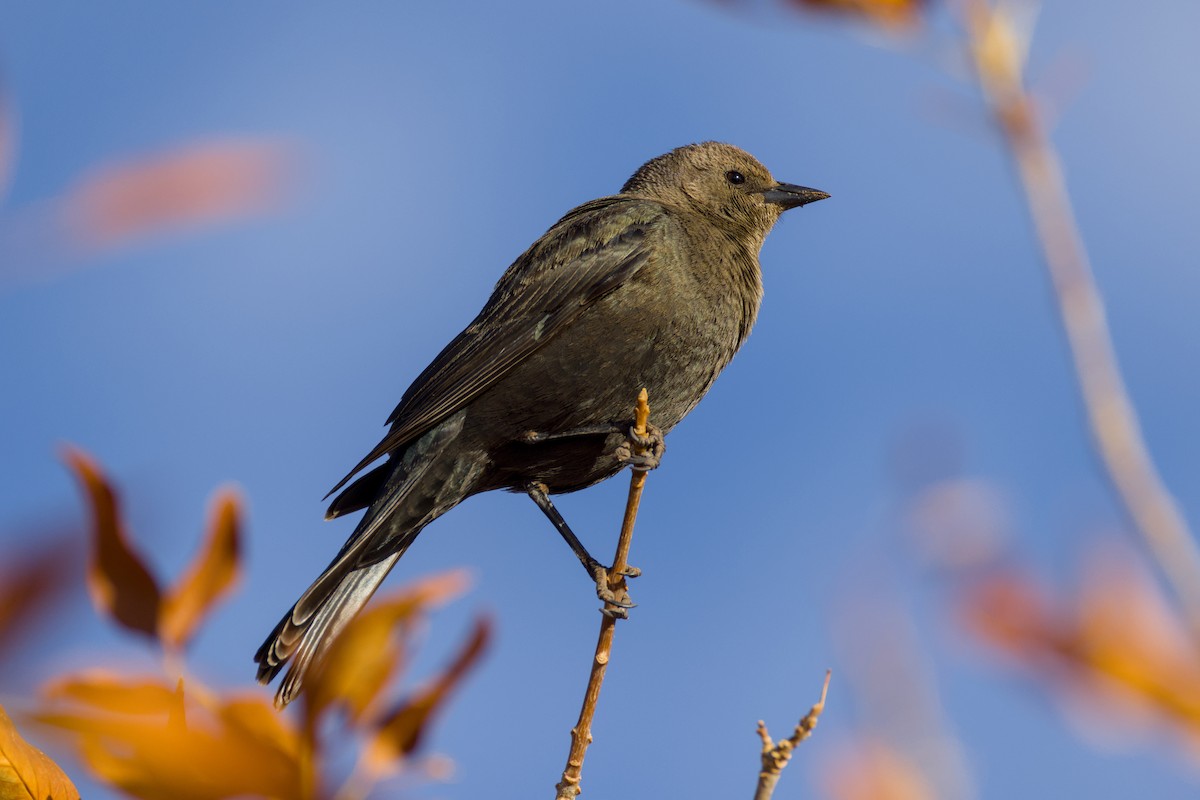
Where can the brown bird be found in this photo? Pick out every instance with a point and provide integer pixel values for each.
(655, 287)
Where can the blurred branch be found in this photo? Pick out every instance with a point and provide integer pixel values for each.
(8, 141)
(998, 49)
(775, 755)
(581, 734)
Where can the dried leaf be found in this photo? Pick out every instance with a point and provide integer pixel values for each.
(202, 183)
(27, 773)
(211, 575)
(196, 748)
(119, 583)
(28, 585)
(400, 732)
(1011, 611)
(366, 656)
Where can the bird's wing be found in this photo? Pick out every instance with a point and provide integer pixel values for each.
(585, 256)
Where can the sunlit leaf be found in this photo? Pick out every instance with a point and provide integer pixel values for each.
(202, 748)
(101, 690)
(177, 712)
(254, 717)
(1126, 631)
(400, 732)
(27, 773)
(366, 656)
(211, 575)
(119, 583)
(201, 183)
(882, 12)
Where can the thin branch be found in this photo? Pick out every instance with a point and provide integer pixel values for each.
(775, 755)
(581, 734)
(999, 60)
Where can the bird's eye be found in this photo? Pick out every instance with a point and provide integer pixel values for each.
(735, 177)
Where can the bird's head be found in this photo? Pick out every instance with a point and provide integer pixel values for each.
(724, 184)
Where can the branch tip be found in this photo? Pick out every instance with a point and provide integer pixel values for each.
(775, 755)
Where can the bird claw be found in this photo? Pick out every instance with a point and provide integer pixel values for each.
(616, 598)
(653, 444)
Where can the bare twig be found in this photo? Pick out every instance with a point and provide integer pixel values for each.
(775, 755)
(581, 734)
(998, 53)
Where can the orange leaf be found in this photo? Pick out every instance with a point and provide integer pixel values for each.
(401, 731)
(198, 748)
(366, 655)
(118, 581)
(27, 773)
(209, 576)
(200, 183)
(1128, 633)
(177, 713)
(889, 13)
(108, 691)
(873, 770)
(1010, 610)
(252, 717)
(1122, 647)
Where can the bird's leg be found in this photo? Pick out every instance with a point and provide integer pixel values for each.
(653, 444)
(618, 597)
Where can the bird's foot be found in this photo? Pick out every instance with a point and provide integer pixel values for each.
(616, 598)
(652, 446)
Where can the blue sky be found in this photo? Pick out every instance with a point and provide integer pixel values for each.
(436, 141)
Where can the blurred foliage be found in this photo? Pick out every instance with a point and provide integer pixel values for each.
(123, 202)
(1113, 648)
(162, 736)
(881, 12)
(872, 769)
(187, 186)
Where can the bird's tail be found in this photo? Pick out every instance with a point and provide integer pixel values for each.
(302, 639)
(426, 481)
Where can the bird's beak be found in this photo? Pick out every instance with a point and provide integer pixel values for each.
(789, 195)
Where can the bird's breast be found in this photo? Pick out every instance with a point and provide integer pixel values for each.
(668, 330)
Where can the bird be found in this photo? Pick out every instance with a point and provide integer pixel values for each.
(654, 287)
